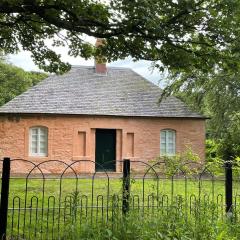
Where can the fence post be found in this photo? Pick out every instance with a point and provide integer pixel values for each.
(228, 186)
(126, 186)
(4, 197)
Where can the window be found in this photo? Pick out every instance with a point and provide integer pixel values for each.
(38, 140)
(168, 142)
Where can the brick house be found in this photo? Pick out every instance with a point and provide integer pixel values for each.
(99, 114)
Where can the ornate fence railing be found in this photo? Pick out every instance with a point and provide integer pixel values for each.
(51, 199)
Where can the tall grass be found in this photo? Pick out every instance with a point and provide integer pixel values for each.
(182, 209)
(171, 224)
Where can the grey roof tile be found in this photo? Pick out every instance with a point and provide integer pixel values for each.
(121, 92)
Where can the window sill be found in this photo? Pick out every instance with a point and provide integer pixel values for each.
(131, 158)
(168, 155)
(38, 158)
(75, 158)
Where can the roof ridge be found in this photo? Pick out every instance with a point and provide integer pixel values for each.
(92, 66)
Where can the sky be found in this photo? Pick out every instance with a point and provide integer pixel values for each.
(23, 60)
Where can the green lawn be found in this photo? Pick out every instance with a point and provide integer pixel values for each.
(100, 186)
(50, 207)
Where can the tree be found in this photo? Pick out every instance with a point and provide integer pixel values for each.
(217, 96)
(178, 35)
(195, 41)
(14, 81)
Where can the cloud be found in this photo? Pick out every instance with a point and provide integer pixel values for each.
(141, 67)
(23, 60)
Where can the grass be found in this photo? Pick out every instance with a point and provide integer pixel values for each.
(92, 208)
(171, 225)
(87, 187)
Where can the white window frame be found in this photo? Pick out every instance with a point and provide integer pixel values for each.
(38, 153)
(167, 132)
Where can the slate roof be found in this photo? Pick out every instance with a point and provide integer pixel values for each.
(121, 92)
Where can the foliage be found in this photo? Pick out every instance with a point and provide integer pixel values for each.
(14, 81)
(211, 150)
(215, 94)
(72, 203)
(196, 42)
(172, 224)
(213, 161)
(82, 217)
(181, 36)
(178, 162)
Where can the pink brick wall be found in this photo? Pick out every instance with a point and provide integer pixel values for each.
(63, 138)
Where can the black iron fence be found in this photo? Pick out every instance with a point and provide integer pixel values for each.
(48, 200)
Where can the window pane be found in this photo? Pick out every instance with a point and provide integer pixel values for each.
(43, 145)
(171, 143)
(34, 150)
(34, 147)
(34, 138)
(39, 137)
(43, 150)
(170, 136)
(163, 145)
(170, 150)
(34, 131)
(167, 142)
(163, 136)
(43, 131)
(163, 149)
(43, 138)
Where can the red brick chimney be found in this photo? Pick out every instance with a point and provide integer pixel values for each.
(100, 62)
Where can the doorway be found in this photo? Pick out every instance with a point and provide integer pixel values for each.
(105, 151)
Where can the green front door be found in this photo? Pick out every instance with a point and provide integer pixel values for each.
(105, 153)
